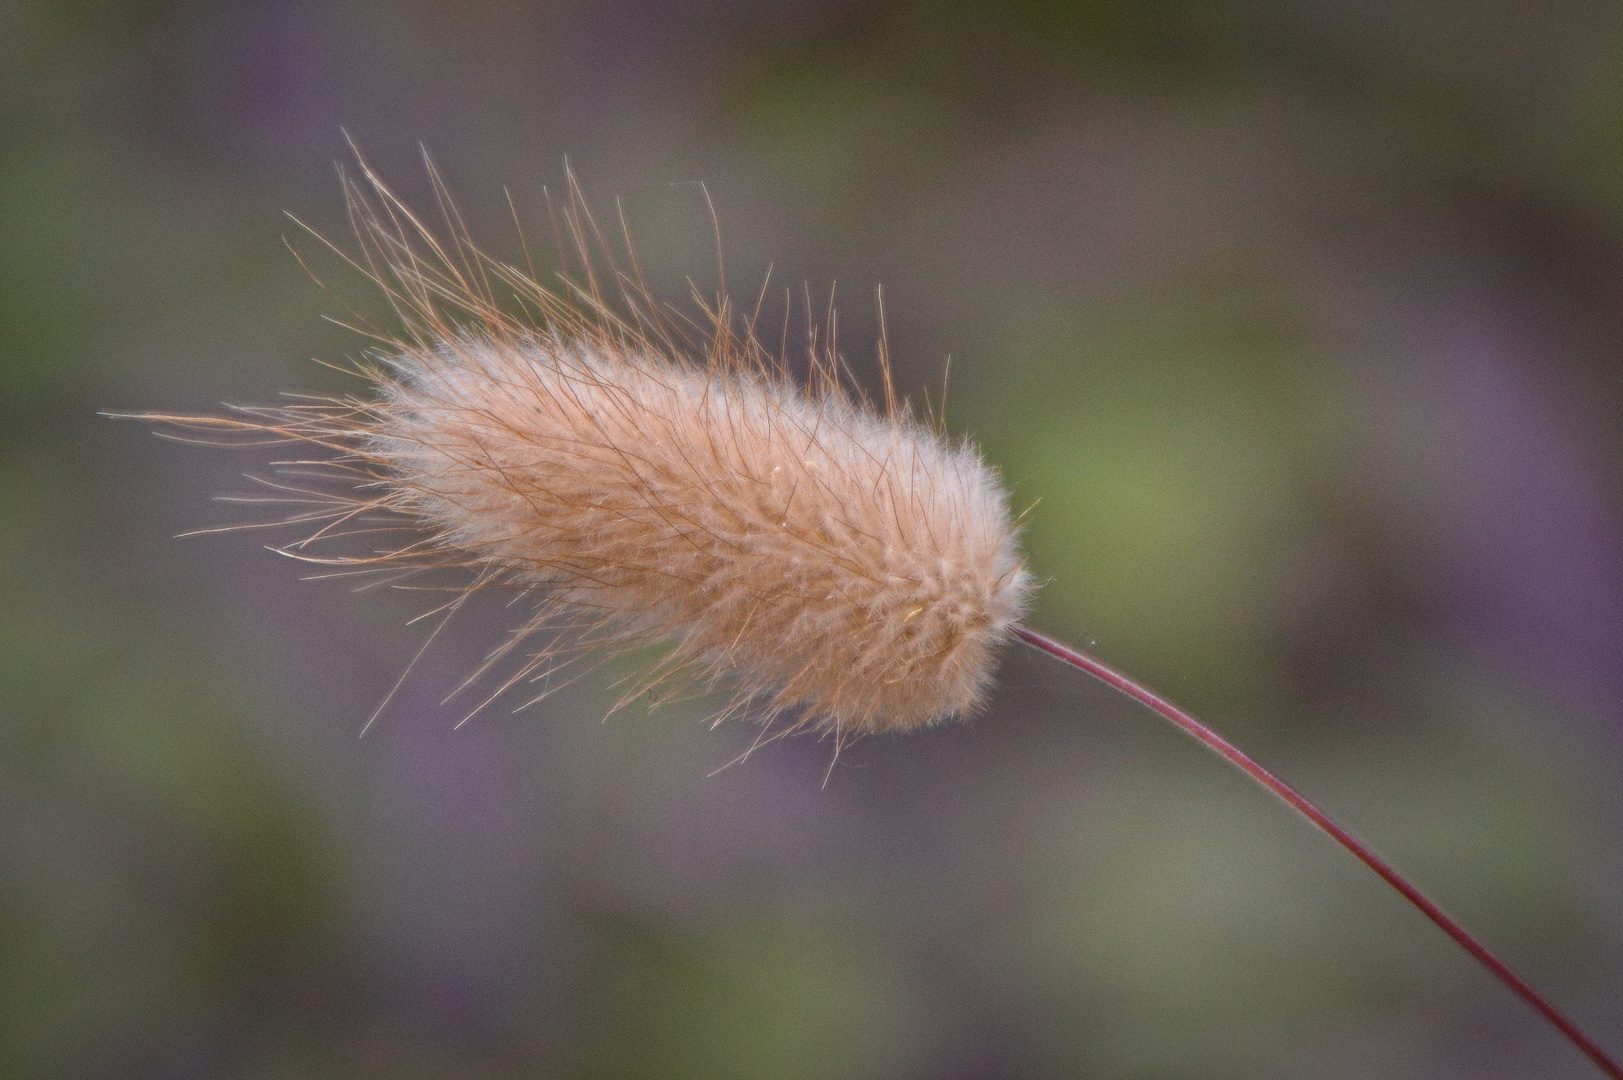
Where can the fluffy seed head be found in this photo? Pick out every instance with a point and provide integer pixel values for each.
(850, 567)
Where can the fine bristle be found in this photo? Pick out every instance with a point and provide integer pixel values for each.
(846, 567)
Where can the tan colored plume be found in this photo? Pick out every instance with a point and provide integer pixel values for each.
(847, 567)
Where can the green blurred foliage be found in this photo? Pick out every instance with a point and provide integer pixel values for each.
(155, 867)
(1192, 924)
(748, 996)
(1483, 95)
(1182, 441)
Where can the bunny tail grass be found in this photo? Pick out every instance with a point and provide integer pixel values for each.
(648, 479)
(1325, 824)
(845, 566)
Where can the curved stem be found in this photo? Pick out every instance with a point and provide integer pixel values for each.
(1298, 802)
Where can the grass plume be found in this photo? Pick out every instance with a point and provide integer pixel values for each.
(646, 479)
(847, 567)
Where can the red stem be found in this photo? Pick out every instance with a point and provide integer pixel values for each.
(1236, 757)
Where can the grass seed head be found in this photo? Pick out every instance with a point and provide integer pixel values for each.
(843, 565)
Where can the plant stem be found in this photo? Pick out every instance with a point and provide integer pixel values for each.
(1298, 802)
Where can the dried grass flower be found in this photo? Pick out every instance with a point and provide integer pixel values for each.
(848, 567)
(646, 479)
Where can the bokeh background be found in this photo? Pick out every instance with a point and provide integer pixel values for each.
(1299, 322)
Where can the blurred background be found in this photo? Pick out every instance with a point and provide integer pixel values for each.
(1299, 322)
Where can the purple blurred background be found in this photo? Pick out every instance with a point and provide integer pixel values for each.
(1299, 323)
